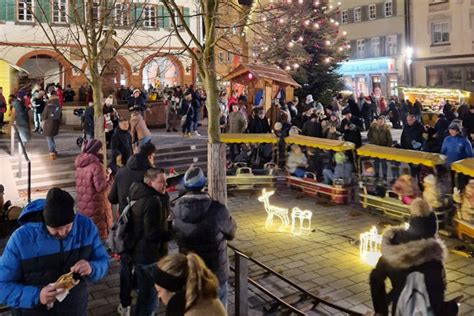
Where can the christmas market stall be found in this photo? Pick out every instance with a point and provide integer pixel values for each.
(263, 83)
(9, 80)
(434, 99)
(464, 198)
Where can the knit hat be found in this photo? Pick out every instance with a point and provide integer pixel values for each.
(59, 208)
(92, 146)
(456, 126)
(422, 221)
(309, 98)
(346, 110)
(194, 179)
(21, 94)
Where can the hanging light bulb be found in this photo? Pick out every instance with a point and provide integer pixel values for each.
(328, 43)
(291, 44)
(316, 25)
(336, 23)
(340, 49)
(330, 7)
(288, 1)
(288, 68)
(344, 33)
(282, 20)
(300, 39)
(331, 20)
(339, 3)
(327, 60)
(348, 46)
(300, 1)
(316, 3)
(264, 19)
(306, 22)
(296, 66)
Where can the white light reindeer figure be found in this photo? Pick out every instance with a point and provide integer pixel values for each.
(370, 243)
(280, 212)
(298, 215)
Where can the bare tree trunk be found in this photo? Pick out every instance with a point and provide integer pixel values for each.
(99, 132)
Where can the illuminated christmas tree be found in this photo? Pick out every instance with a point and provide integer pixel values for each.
(302, 37)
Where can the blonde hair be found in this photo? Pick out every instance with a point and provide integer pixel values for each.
(201, 283)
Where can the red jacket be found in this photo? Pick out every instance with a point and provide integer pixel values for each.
(91, 192)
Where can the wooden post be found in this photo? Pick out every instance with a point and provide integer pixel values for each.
(216, 158)
(241, 285)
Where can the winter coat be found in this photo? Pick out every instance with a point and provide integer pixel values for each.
(259, 126)
(237, 122)
(139, 103)
(51, 117)
(352, 135)
(410, 134)
(203, 226)
(148, 233)
(296, 161)
(91, 192)
(138, 128)
(331, 125)
(401, 257)
(212, 307)
(21, 113)
(120, 145)
(468, 123)
(456, 148)
(312, 128)
(88, 120)
(33, 259)
(381, 136)
(133, 171)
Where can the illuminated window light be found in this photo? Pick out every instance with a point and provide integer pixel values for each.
(369, 249)
(300, 221)
(272, 211)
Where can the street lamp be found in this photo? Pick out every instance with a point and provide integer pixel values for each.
(409, 61)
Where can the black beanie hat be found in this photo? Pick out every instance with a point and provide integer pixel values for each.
(59, 208)
(423, 223)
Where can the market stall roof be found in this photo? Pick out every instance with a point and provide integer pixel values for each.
(17, 68)
(249, 138)
(465, 166)
(402, 155)
(266, 72)
(322, 143)
(436, 91)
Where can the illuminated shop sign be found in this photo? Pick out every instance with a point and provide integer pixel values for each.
(367, 66)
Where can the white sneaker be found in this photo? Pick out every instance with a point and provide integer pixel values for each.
(123, 311)
(197, 133)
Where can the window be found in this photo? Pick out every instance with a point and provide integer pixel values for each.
(439, 33)
(344, 17)
(149, 16)
(376, 46)
(438, 1)
(59, 11)
(25, 8)
(229, 57)
(95, 11)
(357, 14)
(221, 57)
(392, 47)
(121, 14)
(469, 82)
(435, 77)
(454, 77)
(388, 8)
(360, 48)
(372, 12)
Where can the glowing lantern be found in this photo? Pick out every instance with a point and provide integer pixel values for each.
(370, 243)
(300, 221)
(250, 76)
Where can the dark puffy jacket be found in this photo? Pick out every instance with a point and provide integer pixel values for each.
(88, 120)
(148, 232)
(352, 135)
(399, 259)
(411, 133)
(21, 113)
(203, 226)
(120, 145)
(33, 259)
(133, 171)
(312, 128)
(52, 118)
(259, 126)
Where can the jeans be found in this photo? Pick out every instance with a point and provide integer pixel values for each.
(144, 140)
(24, 133)
(195, 120)
(147, 300)
(222, 294)
(51, 144)
(377, 163)
(89, 136)
(126, 268)
(36, 118)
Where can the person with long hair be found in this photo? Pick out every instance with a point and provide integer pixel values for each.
(186, 286)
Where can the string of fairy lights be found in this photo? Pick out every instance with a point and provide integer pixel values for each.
(322, 15)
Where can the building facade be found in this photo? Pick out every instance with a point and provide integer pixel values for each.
(152, 55)
(375, 30)
(442, 37)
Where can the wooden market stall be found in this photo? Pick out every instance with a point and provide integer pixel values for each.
(9, 81)
(433, 99)
(263, 82)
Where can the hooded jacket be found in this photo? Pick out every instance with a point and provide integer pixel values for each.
(402, 255)
(91, 192)
(148, 232)
(133, 171)
(120, 145)
(203, 226)
(51, 117)
(380, 136)
(456, 148)
(33, 259)
(410, 134)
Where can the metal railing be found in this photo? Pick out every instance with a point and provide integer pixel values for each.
(242, 281)
(21, 152)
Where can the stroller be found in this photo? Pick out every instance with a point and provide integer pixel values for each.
(79, 112)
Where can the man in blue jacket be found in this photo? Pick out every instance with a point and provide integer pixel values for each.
(51, 241)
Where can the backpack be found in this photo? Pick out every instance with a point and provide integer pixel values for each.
(118, 233)
(414, 299)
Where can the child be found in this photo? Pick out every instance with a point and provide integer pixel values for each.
(297, 162)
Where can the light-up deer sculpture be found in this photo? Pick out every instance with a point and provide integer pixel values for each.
(280, 212)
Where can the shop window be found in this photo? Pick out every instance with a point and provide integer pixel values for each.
(388, 6)
(469, 78)
(435, 77)
(121, 14)
(357, 14)
(344, 17)
(360, 48)
(229, 57)
(221, 57)
(59, 11)
(393, 83)
(372, 12)
(149, 16)
(25, 8)
(375, 46)
(392, 45)
(439, 33)
(454, 77)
